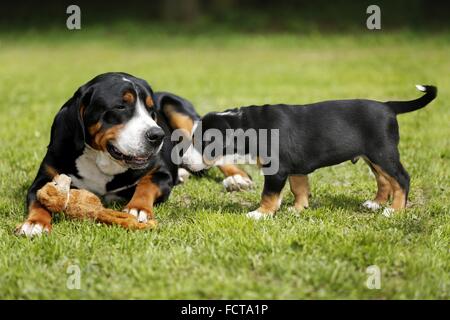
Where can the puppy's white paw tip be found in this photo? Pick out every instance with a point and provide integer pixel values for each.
(257, 215)
(371, 205)
(387, 212)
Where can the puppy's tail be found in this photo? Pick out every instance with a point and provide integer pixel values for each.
(412, 105)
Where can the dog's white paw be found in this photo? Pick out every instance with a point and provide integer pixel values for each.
(257, 215)
(183, 175)
(30, 229)
(237, 183)
(371, 205)
(141, 215)
(387, 212)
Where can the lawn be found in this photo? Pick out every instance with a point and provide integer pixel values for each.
(204, 246)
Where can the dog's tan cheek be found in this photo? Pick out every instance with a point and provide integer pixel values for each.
(101, 137)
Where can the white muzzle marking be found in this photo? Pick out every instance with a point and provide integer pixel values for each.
(131, 139)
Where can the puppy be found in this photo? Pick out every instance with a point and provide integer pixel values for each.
(310, 137)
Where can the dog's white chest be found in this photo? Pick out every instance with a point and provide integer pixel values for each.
(96, 169)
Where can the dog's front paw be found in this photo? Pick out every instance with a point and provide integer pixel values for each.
(237, 183)
(183, 175)
(371, 205)
(142, 215)
(258, 215)
(32, 229)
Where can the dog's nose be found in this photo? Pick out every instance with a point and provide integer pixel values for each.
(155, 135)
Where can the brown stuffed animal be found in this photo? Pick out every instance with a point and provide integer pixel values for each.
(57, 196)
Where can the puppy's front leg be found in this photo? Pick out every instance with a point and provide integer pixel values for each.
(146, 193)
(271, 197)
(236, 179)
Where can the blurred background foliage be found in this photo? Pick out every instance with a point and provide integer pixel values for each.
(203, 16)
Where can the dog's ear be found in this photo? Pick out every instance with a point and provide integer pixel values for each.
(68, 125)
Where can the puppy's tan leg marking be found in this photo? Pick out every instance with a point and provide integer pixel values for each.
(300, 189)
(389, 186)
(269, 204)
(384, 189)
(384, 186)
(399, 195)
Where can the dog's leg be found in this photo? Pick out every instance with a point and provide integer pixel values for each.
(392, 170)
(271, 197)
(183, 175)
(147, 191)
(236, 179)
(39, 219)
(384, 188)
(300, 189)
(400, 185)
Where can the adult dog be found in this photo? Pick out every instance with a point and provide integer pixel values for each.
(113, 137)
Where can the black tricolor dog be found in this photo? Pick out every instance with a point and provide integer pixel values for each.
(113, 137)
(318, 135)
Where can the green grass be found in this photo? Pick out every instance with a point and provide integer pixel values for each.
(205, 247)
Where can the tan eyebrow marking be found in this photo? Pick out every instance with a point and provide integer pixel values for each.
(149, 101)
(128, 97)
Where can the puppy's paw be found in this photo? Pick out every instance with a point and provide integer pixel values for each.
(183, 175)
(237, 183)
(141, 215)
(387, 212)
(371, 205)
(258, 215)
(32, 229)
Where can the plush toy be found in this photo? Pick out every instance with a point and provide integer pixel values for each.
(57, 196)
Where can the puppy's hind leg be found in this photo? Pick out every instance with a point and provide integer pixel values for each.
(271, 197)
(300, 189)
(392, 170)
(384, 188)
(400, 185)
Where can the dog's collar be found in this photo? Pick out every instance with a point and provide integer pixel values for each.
(121, 188)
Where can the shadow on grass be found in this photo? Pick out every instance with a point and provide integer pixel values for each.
(337, 201)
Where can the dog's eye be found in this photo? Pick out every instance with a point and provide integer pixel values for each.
(153, 115)
(120, 107)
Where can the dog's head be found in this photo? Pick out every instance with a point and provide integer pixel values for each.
(208, 142)
(114, 113)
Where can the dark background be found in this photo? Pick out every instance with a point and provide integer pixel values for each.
(245, 16)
